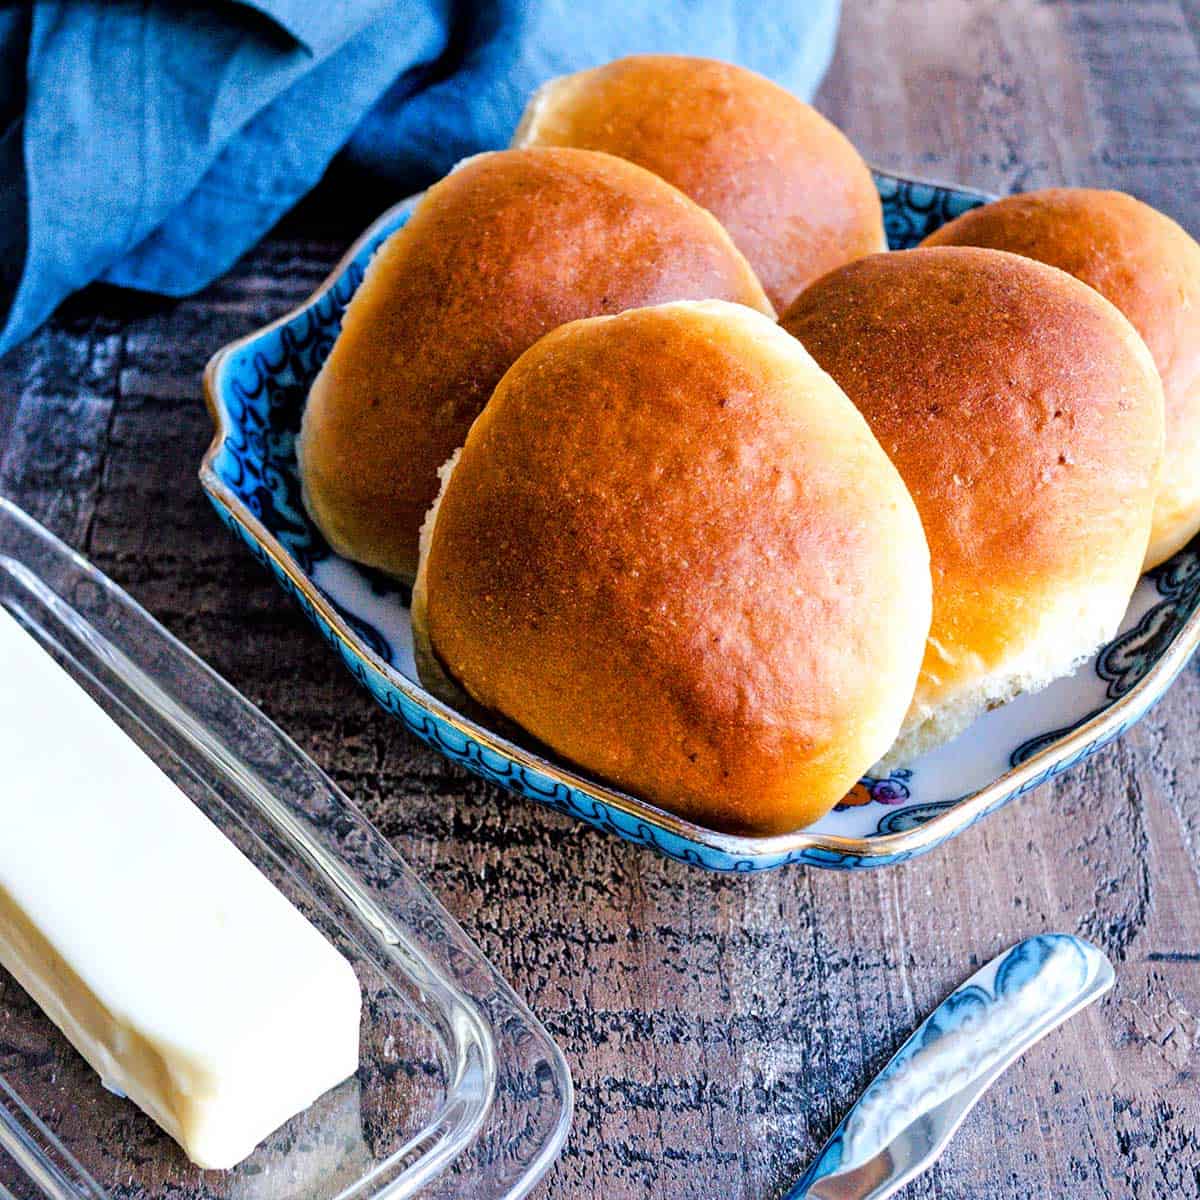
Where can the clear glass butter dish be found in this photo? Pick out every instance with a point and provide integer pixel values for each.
(460, 1092)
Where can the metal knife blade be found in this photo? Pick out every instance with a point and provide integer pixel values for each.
(910, 1111)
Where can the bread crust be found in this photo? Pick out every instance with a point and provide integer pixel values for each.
(508, 246)
(1026, 417)
(792, 190)
(672, 551)
(1149, 267)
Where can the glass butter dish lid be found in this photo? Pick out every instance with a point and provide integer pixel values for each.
(459, 1092)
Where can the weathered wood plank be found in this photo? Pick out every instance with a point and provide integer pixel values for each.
(717, 1028)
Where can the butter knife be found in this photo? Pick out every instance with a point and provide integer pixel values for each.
(910, 1111)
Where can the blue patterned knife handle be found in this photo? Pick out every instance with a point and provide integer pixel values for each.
(967, 1040)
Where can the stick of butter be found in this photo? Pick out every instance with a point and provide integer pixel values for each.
(173, 966)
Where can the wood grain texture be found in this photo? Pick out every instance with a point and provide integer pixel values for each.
(718, 1028)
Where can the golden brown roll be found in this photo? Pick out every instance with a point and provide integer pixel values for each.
(1150, 269)
(795, 195)
(672, 551)
(508, 246)
(1026, 417)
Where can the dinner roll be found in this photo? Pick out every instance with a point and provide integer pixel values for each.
(1150, 269)
(505, 248)
(795, 195)
(1026, 417)
(672, 551)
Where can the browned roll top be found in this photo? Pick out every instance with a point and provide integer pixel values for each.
(795, 195)
(673, 552)
(508, 246)
(1025, 416)
(1149, 268)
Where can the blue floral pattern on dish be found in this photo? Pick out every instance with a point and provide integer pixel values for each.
(257, 389)
(912, 210)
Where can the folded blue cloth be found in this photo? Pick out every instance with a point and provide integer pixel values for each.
(150, 144)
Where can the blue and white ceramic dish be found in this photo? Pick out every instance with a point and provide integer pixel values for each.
(256, 389)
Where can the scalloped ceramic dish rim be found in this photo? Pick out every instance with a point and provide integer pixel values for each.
(907, 843)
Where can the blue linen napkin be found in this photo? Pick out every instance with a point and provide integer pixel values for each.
(149, 143)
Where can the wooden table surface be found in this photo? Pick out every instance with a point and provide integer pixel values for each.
(717, 1028)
